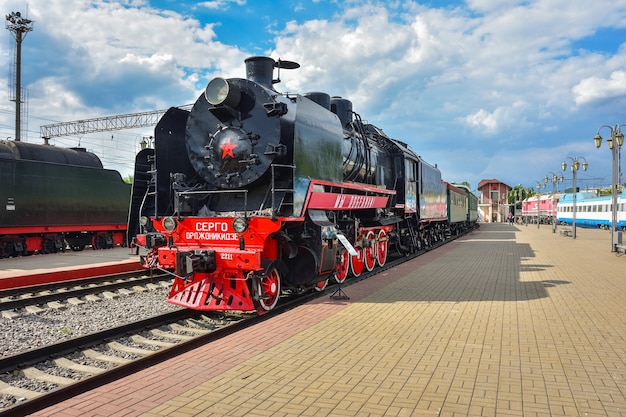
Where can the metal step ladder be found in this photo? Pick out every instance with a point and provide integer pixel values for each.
(280, 197)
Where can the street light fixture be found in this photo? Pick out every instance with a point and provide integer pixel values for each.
(554, 178)
(615, 142)
(518, 201)
(575, 166)
(539, 185)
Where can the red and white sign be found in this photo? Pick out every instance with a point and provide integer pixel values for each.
(335, 201)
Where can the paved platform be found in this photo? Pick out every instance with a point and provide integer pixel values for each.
(508, 321)
(41, 269)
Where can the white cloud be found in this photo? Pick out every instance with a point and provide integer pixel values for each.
(503, 73)
(508, 73)
(220, 4)
(120, 54)
(596, 88)
(484, 120)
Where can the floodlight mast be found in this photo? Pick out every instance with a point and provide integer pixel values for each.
(19, 26)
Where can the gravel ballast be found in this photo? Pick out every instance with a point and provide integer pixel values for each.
(32, 331)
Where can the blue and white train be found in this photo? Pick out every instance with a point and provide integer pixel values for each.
(591, 210)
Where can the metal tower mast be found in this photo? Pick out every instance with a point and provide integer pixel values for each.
(19, 26)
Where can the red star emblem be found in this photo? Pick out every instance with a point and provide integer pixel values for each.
(227, 149)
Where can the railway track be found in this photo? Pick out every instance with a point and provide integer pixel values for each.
(81, 364)
(61, 294)
(68, 368)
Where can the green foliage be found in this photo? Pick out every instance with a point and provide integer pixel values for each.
(129, 179)
(519, 193)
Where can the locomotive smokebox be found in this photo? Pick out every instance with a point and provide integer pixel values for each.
(260, 69)
(233, 133)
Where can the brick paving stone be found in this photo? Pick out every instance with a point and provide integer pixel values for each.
(507, 321)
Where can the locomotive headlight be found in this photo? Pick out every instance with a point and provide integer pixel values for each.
(240, 224)
(220, 91)
(169, 224)
(143, 220)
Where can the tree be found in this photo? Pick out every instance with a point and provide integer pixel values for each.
(519, 193)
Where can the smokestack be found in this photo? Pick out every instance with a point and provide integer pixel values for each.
(260, 69)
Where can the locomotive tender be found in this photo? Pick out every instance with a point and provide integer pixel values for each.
(253, 192)
(52, 197)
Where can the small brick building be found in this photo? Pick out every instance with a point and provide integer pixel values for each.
(492, 201)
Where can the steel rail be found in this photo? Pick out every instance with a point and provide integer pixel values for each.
(43, 298)
(11, 292)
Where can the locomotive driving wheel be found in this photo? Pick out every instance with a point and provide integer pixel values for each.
(343, 267)
(381, 248)
(321, 286)
(369, 251)
(269, 286)
(357, 262)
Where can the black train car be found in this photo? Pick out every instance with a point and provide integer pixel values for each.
(51, 196)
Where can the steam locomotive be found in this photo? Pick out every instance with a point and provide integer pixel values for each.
(53, 197)
(254, 192)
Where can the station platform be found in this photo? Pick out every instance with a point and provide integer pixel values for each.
(63, 266)
(506, 321)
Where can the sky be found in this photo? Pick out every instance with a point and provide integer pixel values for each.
(482, 89)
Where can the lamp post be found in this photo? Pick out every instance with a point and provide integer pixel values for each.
(518, 200)
(615, 142)
(575, 166)
(523, 199)
(19, 26)
(538, 200)
(554, 178)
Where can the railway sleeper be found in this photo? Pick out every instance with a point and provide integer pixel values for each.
(150, 342)
(39, 375)
(101, 357)
(174, 336)
(17, 392)
(119, 347)
(77, 367)
(178, 328)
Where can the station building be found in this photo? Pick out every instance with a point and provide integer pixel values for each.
(492, 201)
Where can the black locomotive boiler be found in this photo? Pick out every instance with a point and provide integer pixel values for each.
(253, 192)
(54, 197)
